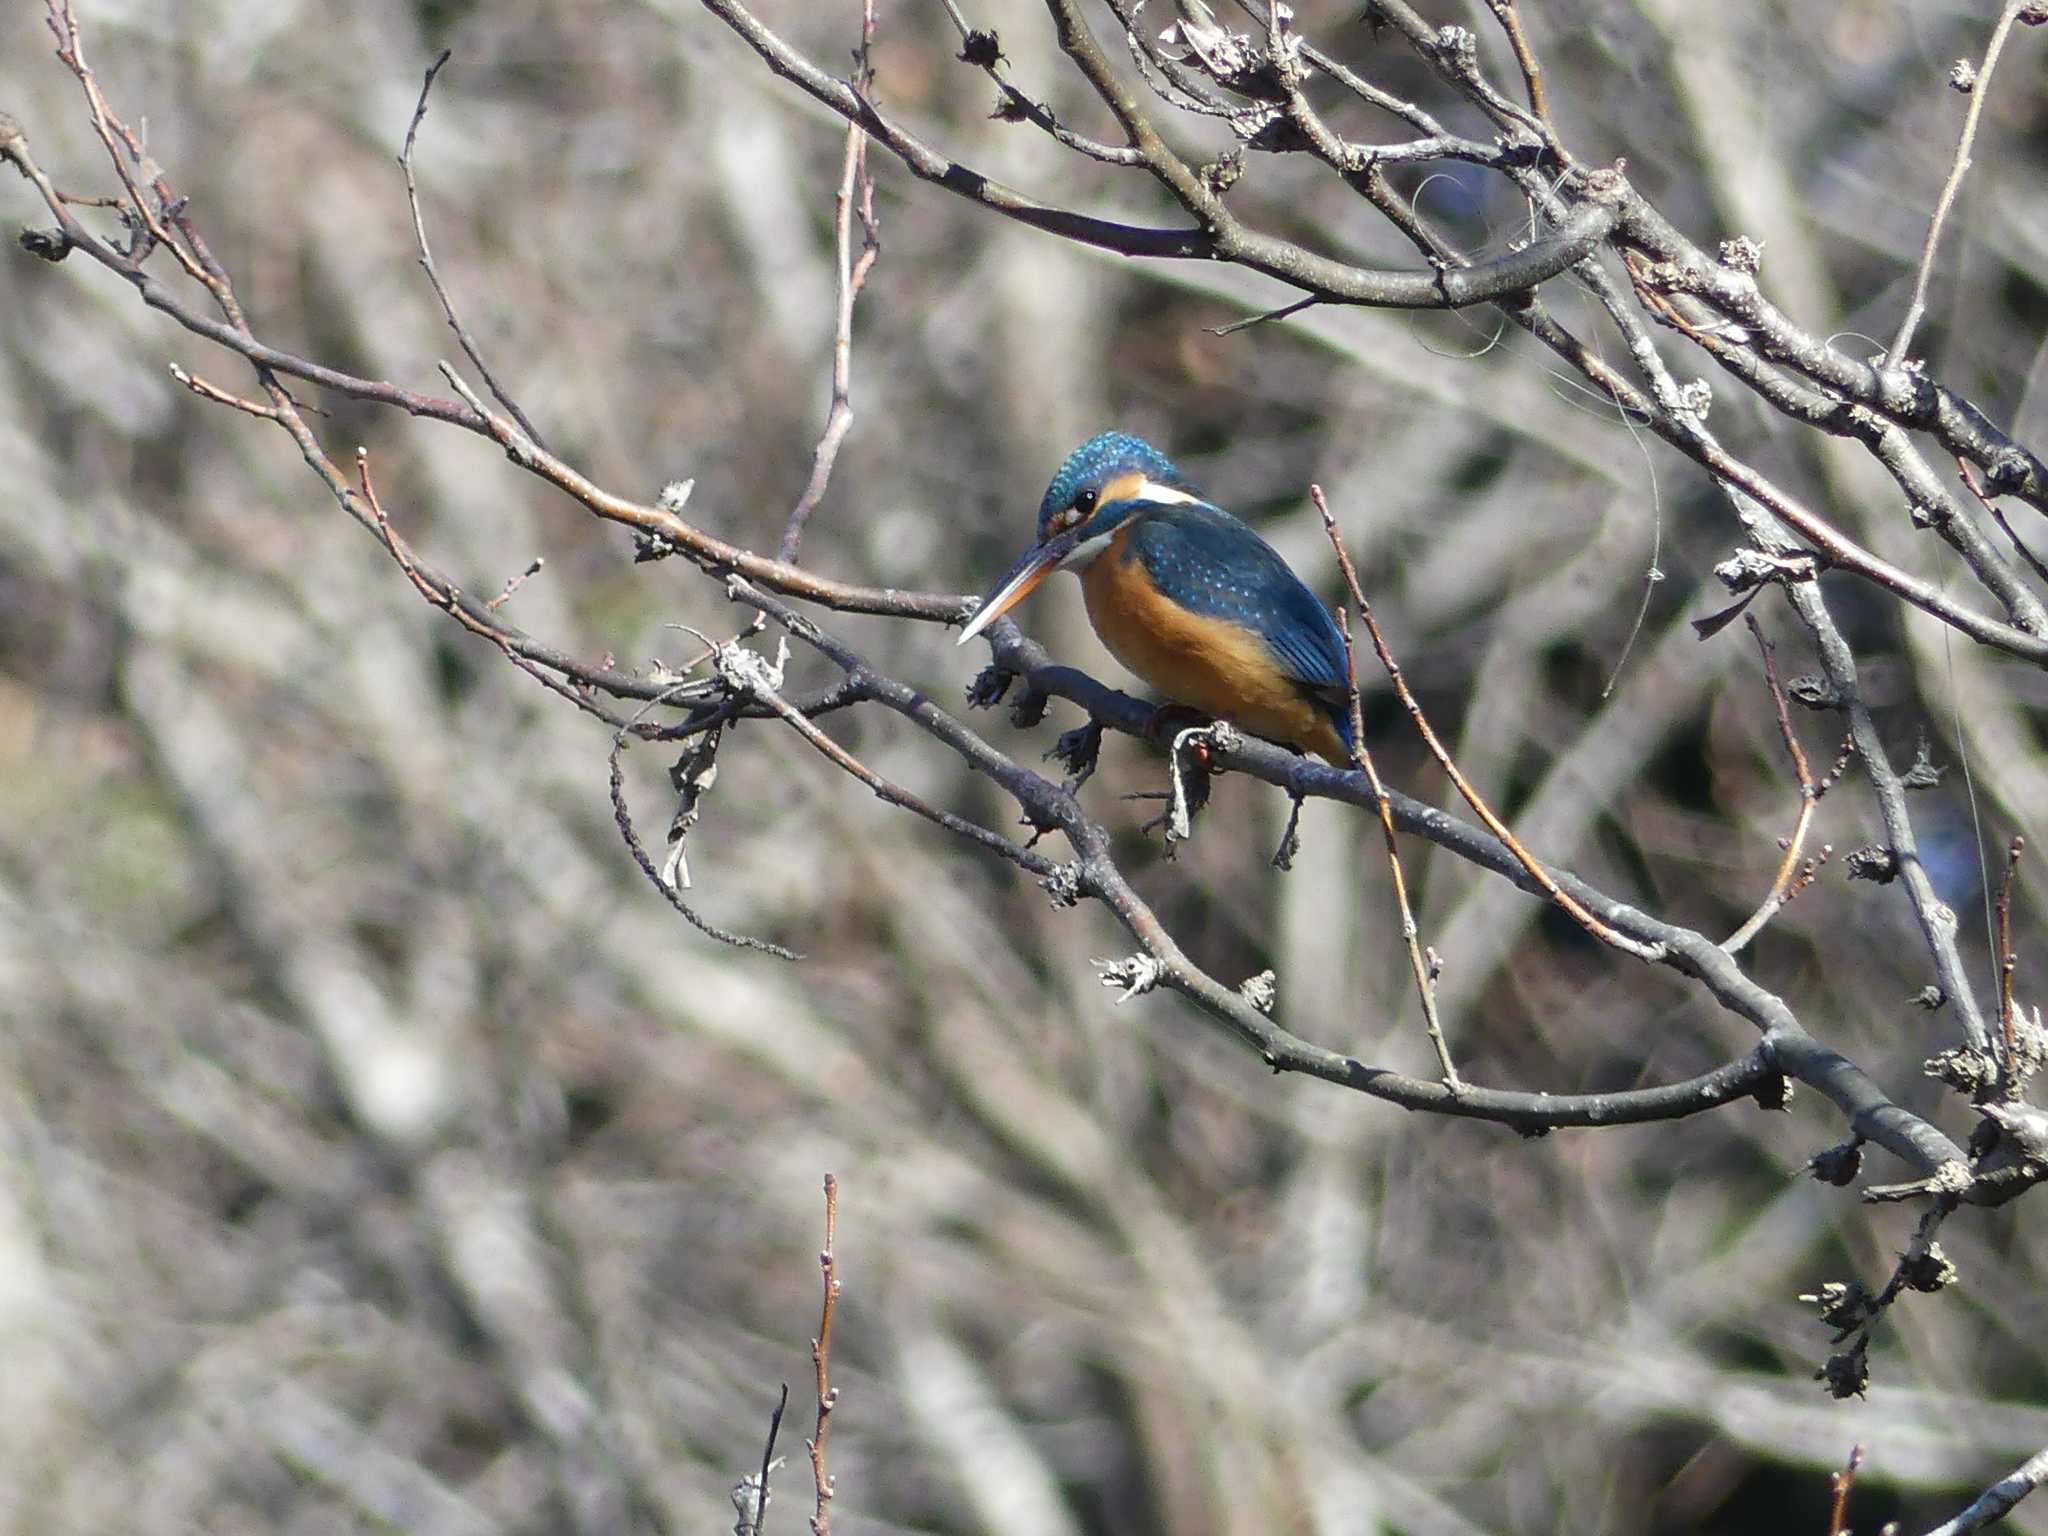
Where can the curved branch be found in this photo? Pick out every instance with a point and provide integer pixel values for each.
(1224, 239)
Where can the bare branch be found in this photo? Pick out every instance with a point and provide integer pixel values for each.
(623, 816)
(1543, 879)
(1334, 281)
(856, 191)
(1979, 88)
(1790, 879)
(1839, 1486)
(1424, 971)
(419, 230)
(1999, 1499)
(821, 1361)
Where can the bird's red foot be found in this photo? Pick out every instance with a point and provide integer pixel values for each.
(1169, 720)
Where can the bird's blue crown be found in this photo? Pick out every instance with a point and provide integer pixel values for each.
(1100, 460)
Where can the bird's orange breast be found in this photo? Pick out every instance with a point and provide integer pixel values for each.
(1218, 667)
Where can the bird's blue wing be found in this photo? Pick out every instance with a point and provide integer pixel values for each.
(1214, 565)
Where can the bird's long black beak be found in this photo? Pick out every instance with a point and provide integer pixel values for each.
(1017, 583)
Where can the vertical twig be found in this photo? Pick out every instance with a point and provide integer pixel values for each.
(821, 1360)
(2008, 962)
(1532, 74)
(1426, 967)
(856, 194)
(1979, 87)
(1841, 1482)
(750, 1499)
(1566, 902)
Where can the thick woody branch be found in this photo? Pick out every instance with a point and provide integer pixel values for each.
(1906, 395)
(1221, 238)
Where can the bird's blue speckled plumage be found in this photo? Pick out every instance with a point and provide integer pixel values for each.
(1100, 460)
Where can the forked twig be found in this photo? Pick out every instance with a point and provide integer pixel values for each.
(419, 230)
(1566, 902)
(821, 1361)
(856, 194)
(126, 149)
(1791, 879)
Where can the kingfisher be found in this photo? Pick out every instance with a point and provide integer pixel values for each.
(1187, 597)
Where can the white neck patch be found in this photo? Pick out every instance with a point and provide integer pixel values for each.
(1084, 553)
(1152, 490)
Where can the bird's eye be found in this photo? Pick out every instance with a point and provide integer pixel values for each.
(1085, 502)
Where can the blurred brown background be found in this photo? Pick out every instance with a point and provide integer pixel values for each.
(381, 1153)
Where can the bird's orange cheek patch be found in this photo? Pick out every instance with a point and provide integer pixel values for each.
(1125, 487)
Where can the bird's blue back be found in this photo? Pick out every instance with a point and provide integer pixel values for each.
(1214, 565)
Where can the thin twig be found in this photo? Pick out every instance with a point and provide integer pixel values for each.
(1282, 313)
(538, 661)
(751, 1497)
(1989, 502)
(515, 583)
(885, 790)
(1998, 1500)
(1839, 1484)
(624, 818)
(856, 193)
(1565, 901)
(1895, 354)
(1424, 968)
(821, 1361)
(2008, 962)
(1790, 879)
(984, 52)
(219, 396)
(1532, 75)
(419, 230)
